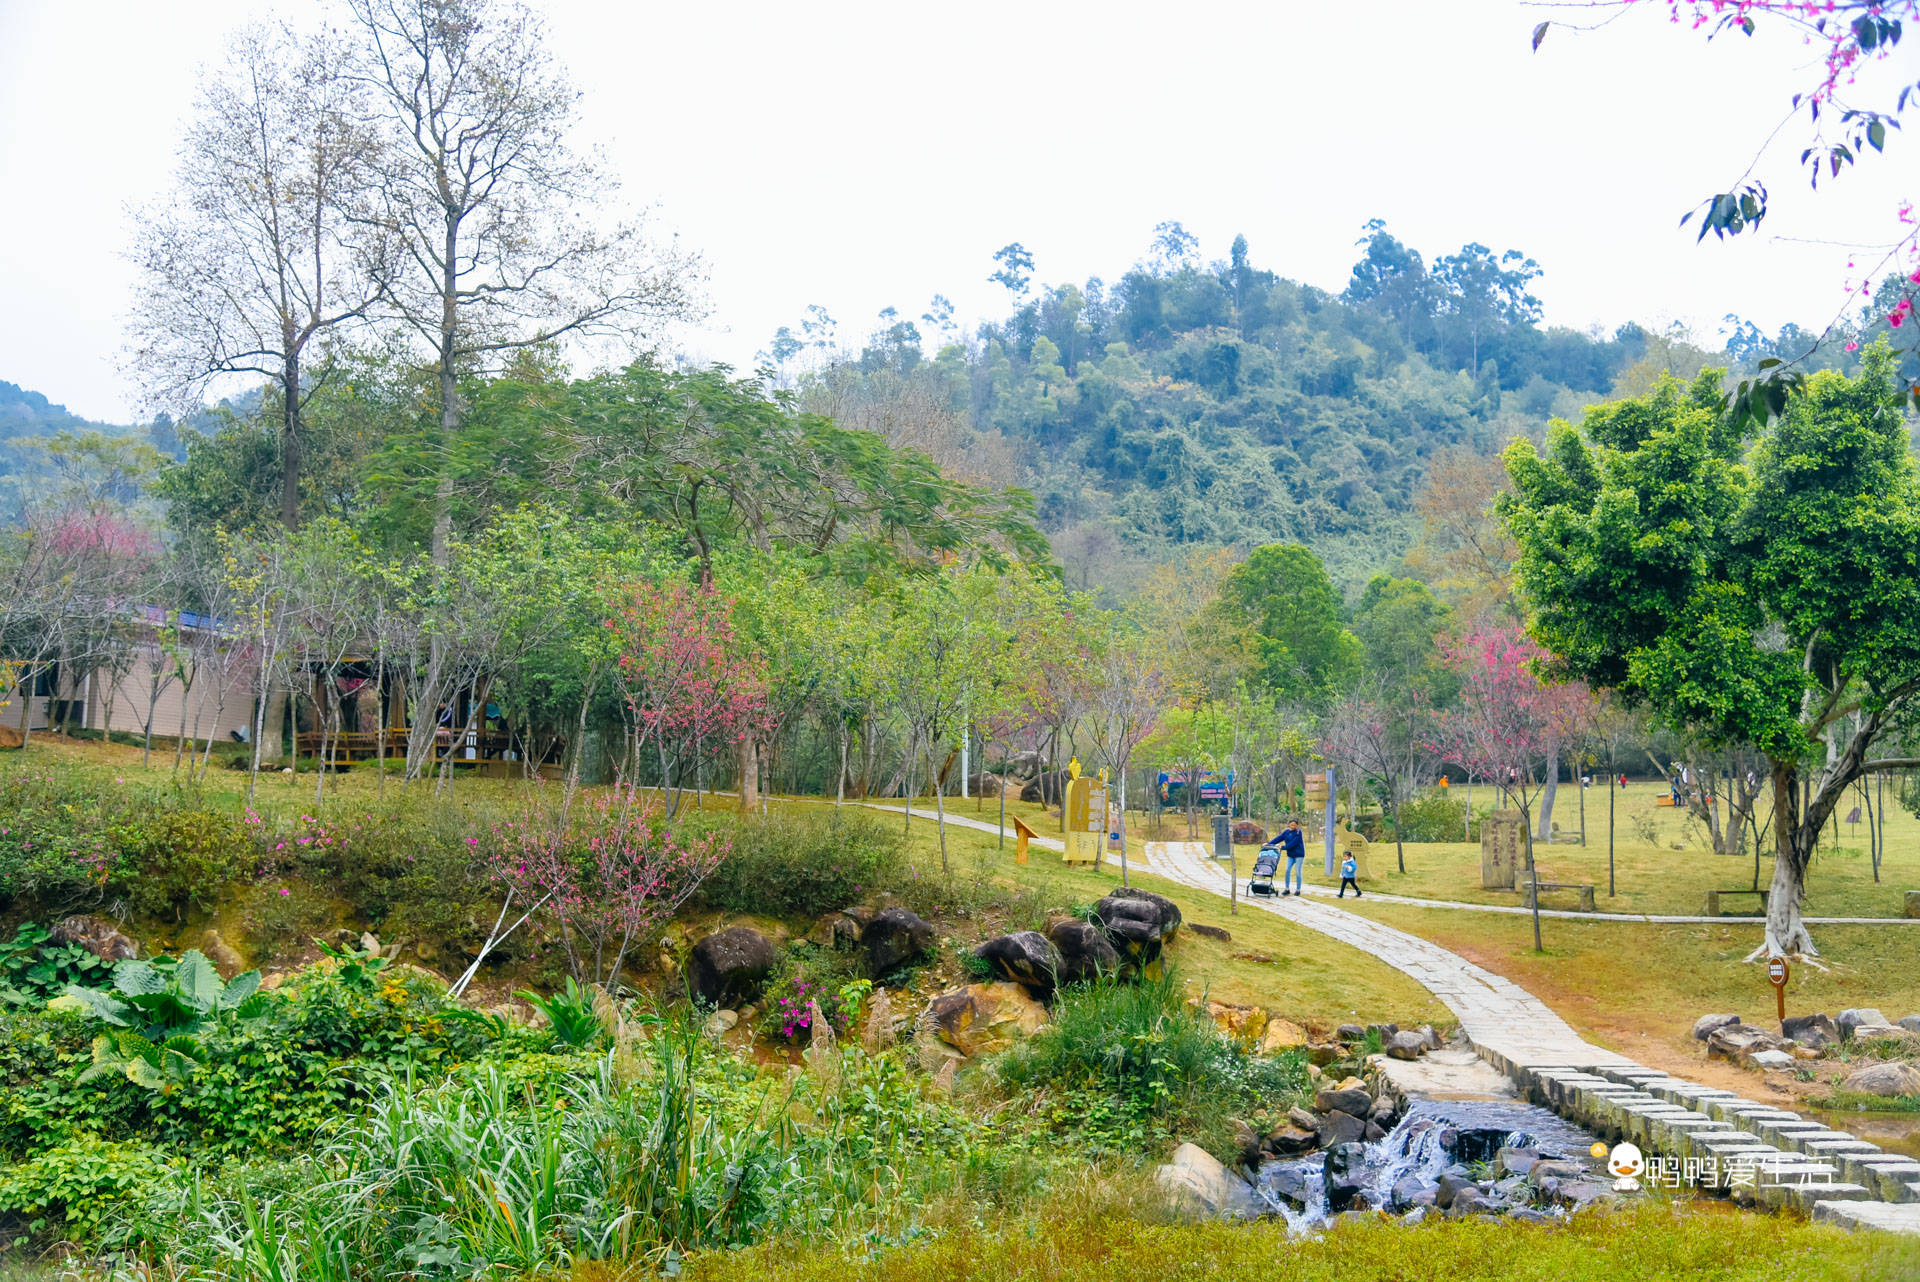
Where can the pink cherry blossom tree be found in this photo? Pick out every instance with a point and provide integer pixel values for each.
(1508, 723)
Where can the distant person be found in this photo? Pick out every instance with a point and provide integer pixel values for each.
(1349, 868)
(1293, 881)
(1623, 780)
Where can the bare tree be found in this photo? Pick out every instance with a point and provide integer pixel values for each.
(496, 218)
(263, 249)
(1128, 694)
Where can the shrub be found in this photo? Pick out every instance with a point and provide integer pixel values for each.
(800, 865)
(1434, 816)
(826, 979)
(182, 859)
(284, 918)
(71, 1190)
(34, 969)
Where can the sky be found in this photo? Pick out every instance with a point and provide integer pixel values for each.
(860, 156)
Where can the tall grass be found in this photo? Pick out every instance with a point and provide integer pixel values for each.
(660, 1151)
(1143, 1049)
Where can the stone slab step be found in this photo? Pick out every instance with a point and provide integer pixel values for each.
(1854, 1214)
(1805, 1197)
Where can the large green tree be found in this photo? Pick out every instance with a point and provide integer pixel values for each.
(1759, 589)
(1304, 652)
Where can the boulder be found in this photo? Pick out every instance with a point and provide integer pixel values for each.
(1816, 1031)
(1737, 1041)
(1340, 1128)
(1289, 1182)
(1210, 932)
(1432, 1037)
(894, 936)
(1288, 1141)
(1850, 1019)
(1580, 1194)
(722, 1021)
(1449, 1188)
(1248, 833)
(1281, 1035)
(1884, 1080)
(97, 935)
(1084, 951)
(1469, 1201)
(1881, 1033)
(1382, 1110)
(1384, 1032)
(1047, 786)
(834, 930)
(1350, 1033)
(1768, 1060)
(984, 1018)
(1246, 1144)
(1515, 1161)
(225, 957)
(1138, 923)
(1242, 1023)
(10, 739)
(1407, 1045)
(1196, 1183)
(1355, 1101)
(1911, 1023)
(729, 966)
(1024, 957)
(1297, 1116)
(1374, 1133)
(1407, 1190)
(1704, 1027)
(1345, 1174)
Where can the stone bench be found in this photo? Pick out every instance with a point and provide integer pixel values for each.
(1713, 900)
(1529, 889)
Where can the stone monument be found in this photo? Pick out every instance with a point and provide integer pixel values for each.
(1503, 851)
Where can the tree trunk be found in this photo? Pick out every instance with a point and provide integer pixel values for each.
(1399, 845)
(1793, 847)
(1613, 789)
(290, 459)
(1547, 795)
(749, 774)
(1533, 874)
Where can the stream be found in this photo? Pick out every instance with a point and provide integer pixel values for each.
(1402, 1171)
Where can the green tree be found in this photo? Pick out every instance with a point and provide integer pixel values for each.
(1765, 591)
(1304, 653)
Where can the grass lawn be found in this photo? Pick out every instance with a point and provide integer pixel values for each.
(1663, 863)
(1638, 988)
(1092, 1239)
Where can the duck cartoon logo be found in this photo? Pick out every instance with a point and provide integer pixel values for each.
(1627, 1165)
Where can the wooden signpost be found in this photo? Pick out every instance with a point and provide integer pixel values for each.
(1777, 976)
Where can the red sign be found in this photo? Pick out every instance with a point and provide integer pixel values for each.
(1777, 972)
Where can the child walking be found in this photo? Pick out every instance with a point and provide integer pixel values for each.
(1348, 868)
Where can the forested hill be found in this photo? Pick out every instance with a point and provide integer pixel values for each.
(1211, 403)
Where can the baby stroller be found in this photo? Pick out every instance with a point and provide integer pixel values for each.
(1265, 864)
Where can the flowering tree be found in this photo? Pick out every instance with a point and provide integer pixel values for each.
(1508, 721)
(688, 687)
(606, 878)
(1372, 737)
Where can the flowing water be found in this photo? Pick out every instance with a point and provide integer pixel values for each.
(1432, 1136)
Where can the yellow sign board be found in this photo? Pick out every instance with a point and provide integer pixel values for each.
(1086, 819)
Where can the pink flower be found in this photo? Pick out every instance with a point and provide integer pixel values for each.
(285, 891)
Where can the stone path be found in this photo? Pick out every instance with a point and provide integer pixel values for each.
(1703, 1135)
(1326, 892)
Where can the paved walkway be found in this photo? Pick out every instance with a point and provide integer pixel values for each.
(1326, 892)
(1496, 1013)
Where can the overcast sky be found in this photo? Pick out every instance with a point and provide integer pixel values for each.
(860, 156)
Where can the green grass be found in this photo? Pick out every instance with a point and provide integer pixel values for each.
(1097, 1234)
(1652, 876)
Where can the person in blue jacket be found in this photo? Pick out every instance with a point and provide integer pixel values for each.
(1293, 881)
(1349, 868)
